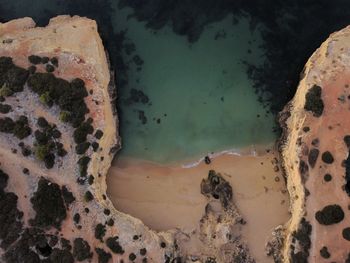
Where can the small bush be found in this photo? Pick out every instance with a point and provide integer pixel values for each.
(48, 204)
(100, 231)
(82, 131)
(88, 196)
(64, 116)
(81, 148)
(113, 244)
(103, 256)
(313, 101)
(41, 151)
(81, 249)
(34, 59)
(330, 214)
(61, 256)
(54, 61)
(5, 108)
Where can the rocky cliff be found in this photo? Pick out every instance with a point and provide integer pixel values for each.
(315, 153)
(58, 135)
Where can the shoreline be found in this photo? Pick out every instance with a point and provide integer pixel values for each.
(168, 196)
(250, 150)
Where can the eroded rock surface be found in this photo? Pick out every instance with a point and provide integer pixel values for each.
(58, 135)
(315, 152)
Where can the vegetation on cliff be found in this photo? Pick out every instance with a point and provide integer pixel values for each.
(48, 204)
(313, 101)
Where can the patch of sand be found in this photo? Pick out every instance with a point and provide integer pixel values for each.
(166, 197)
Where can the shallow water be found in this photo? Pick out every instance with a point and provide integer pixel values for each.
(201, 99)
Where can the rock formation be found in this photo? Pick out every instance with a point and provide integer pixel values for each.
(315, 153)
(58, 135)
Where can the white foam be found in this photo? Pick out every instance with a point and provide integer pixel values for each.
(251, 151)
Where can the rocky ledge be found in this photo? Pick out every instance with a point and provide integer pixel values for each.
(315, 152)
(58, 135)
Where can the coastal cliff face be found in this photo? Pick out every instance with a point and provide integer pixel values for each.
(315, 155)
(58, 136)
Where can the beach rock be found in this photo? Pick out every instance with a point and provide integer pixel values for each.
(319, 201)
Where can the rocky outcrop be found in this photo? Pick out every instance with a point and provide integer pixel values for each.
(314, 151)
(58, 135)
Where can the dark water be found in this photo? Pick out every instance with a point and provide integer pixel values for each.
(198, 76)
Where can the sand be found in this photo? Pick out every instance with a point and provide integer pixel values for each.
(166, 197)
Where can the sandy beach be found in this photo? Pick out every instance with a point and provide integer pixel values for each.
(166, 197)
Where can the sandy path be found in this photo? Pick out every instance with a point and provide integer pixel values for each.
(165, 197)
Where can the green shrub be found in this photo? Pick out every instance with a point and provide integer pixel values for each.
(113, 244)
(64, 116)
(80, 134)
(34, 59)
(48, 204)
(46, 99)
(41, 151)
(81, 249)
(103, 256)
(5, 91)
(5, 108)
(21, 129)
(88, 196)
(7, 125)
(83, 164)
(81, 148)
(313, 101)
(100, 231)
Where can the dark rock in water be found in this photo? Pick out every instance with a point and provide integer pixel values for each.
(137, 96)
(142, 117)
(207, 160)
(216, 186)
(329, 215)
(138, 60)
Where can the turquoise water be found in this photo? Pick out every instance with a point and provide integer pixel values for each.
(200, 98)
(200, 93)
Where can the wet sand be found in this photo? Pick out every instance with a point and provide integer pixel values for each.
(166, 197)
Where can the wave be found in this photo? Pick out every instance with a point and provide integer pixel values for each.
(250, 151)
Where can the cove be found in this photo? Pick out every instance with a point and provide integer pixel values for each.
(200, 99)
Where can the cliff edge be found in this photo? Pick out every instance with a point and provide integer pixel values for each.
(315, 153)
(58, 136)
